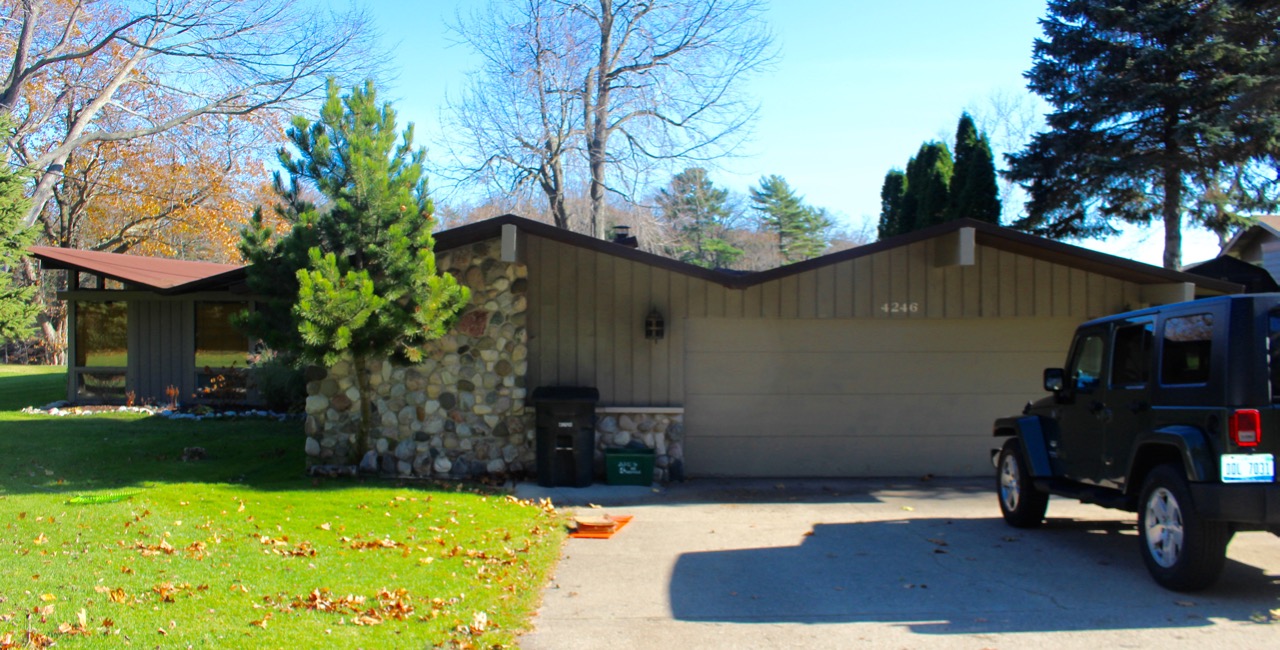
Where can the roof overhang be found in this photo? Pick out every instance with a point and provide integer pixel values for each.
(163, 276)
(982, 233)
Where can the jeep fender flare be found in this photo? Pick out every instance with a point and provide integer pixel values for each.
(1188, 443)
(1030, 431)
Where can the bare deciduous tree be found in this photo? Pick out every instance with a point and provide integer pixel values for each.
(603, 89)
(88, 71)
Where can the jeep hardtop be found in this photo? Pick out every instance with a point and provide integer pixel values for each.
(1170, 412)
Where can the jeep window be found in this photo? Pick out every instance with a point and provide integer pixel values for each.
(1086, 365)
(1131, 355)
(1185, 359)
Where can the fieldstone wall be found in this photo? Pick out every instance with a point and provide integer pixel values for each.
(461, 412)
(661, 430)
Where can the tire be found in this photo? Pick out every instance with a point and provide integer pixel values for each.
(1022, 505)
(1182, 550)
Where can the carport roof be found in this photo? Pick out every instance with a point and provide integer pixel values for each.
(157, 274)
(985, 234)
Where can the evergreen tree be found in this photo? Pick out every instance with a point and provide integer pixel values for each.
(891, 195)
(17, 304)
(364, 270)
(698, 212)
(802, 230)
(928, 193)
(973, 189)
(1156, 105)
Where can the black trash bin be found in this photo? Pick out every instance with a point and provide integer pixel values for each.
(566, 434)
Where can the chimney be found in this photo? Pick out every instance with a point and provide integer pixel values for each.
(622, 235)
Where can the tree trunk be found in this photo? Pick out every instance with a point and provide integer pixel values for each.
(598, 118)
(362, 382)
(1172, 219)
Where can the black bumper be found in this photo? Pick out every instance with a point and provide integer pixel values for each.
(1241, 503)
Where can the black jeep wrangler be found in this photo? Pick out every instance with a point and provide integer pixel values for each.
(1170, 412)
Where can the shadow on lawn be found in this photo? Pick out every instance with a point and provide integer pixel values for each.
(79, 454)
(961, 576)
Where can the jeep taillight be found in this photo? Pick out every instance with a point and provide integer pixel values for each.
(1246, 428)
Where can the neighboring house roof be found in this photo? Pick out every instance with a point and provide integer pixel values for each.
(1267, 226)
(157, 274)
(176, 276)
(985, 234)
(1254, 278)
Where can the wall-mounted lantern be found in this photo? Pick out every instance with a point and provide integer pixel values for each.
(654, 326)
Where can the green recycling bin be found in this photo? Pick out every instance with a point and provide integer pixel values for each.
(628, 466)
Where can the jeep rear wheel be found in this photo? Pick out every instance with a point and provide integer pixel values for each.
(1182, 550)
(1022, 505)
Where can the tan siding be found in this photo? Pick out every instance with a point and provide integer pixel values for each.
(587, 321)
(660, 351)
(587, 308)
(807, 295)
(606, 326)
(843, 273)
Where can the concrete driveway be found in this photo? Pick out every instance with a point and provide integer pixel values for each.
(893, 564)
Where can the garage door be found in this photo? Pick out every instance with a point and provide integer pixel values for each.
(822, 398)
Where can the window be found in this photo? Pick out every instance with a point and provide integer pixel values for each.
(101, 350)
(1086, 364)
(221, 354)
(1131, 355)
(102, 335)
(218, 344)
(1187, 346)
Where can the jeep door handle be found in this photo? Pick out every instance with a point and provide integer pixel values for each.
(1100, 411)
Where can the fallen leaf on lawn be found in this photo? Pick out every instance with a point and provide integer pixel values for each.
(41, 539)
(262, 622)
(324, 526)
(117, 595)
(48, 598)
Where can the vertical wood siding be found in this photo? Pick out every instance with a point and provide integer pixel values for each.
(587, 309)
(161, 348)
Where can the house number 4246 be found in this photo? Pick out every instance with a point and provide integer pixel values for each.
(900, 307)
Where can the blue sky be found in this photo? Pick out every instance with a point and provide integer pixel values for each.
(859, 86)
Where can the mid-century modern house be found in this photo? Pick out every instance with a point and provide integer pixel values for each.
(889, 359)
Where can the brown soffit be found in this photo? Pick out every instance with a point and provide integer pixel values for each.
(157, 274)
(986, 234)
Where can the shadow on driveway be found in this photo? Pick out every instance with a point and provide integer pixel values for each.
(958, 576)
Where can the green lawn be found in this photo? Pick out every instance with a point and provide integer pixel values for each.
(31, 386)
(110, 539)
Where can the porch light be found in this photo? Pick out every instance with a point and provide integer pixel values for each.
(654, 327)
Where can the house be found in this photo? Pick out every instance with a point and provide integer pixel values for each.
(885, 360)
(1258, 244)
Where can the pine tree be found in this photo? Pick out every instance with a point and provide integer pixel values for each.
(698, 211)
(973, 189)
(1156, 106)
(891, 195)
(928, 193)
(17, 305)
(364, 270)
(802, 230)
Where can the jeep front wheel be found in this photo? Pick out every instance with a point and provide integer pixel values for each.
(1182, 550)
(1022, 505)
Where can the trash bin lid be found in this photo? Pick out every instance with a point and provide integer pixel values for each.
(565, 394)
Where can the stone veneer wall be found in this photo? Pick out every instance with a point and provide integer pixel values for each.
(461, 412)
(659, 429)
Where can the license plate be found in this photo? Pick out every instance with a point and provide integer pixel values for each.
(1248, 468)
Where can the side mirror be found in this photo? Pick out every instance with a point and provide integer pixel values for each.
(1054, 379)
